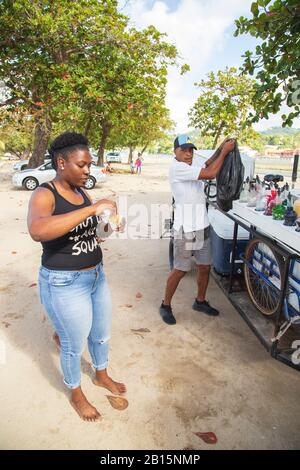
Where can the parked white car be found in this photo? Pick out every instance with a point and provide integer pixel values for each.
(113, 157)
(22, 164)
(31, 179)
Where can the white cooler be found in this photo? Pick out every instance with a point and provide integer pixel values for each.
(222, 241)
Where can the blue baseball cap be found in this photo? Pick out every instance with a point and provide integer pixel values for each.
(184, 142)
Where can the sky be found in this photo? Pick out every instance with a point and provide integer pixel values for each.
(202, 31)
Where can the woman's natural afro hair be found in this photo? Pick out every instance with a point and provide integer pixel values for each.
(65, 144)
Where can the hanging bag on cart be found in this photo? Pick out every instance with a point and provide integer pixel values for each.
(230, 180)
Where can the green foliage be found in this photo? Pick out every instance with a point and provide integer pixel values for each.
(284, 141)
(281, 131)
(223, 106)
(77, 65)
(16, 134)
(42, 40)
(276, 61)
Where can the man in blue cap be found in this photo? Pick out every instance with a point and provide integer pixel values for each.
(191, 225)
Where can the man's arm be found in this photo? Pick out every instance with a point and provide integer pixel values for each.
(216, 154)
(213, 157)
(211, 170)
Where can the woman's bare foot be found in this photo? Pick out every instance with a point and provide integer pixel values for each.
(56, 340)
(86, 411)
(101, 379)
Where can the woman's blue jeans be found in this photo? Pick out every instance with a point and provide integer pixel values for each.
(78, 304)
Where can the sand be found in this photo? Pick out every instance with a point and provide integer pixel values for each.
(202, 375)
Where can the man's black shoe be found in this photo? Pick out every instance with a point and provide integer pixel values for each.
(205, 308)
(166, 314)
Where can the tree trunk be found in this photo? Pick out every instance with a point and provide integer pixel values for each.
(218, 133)
(25, 154)
(130, 156)
(88, 126)
(106, 127)
(42, 131)
(142, 151)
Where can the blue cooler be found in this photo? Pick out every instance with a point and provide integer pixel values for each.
(222, 240)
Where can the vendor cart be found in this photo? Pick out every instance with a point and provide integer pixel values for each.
(271, 278)
(260, 274)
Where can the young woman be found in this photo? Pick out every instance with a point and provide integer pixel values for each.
(73, 287)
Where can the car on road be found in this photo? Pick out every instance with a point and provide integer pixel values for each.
(32, 178)
(22, 164)
(113, 157)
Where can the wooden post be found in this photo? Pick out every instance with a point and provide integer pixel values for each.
(295, 167)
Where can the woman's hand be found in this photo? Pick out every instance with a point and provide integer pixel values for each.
(121, 225)
(104, 204)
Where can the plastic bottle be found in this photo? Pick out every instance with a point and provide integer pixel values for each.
(252, 196)
(296, 207)
(261, 201)
(278, 210)
(244, 196)
(271, 202)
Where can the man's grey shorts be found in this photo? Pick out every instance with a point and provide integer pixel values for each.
(187, 244)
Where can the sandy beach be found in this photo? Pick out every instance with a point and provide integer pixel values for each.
(201, 375)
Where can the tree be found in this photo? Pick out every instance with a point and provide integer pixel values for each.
(16, 133)
(276, 61)
(223, 106)
(123, 102)
(143, 127)
(77, 65)
(44, 43)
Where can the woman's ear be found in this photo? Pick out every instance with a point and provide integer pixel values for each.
(60, 163)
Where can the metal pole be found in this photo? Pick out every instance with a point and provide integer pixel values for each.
(295, 167)
(233, 254)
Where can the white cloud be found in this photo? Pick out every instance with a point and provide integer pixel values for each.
(275, 120)
(197, 28)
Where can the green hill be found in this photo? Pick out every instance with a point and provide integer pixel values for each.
(280, 131)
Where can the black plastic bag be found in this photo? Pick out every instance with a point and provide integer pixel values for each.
(230, 180)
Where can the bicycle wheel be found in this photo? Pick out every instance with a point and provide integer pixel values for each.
(263, 276)
(210, 190)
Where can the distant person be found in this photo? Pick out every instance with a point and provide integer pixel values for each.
(73, 287)
(132, 167)
(109, 168)
(138, 163)
(191, 227)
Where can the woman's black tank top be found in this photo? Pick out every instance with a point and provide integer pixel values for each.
(77, 249)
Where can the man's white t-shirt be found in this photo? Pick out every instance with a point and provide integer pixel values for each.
(188, 192)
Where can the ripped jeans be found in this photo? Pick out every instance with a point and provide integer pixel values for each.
(78, 304)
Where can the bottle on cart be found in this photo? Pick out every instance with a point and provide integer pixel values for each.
(278, 210)
(258, 184)
(252, 196)
(271, 202)
(290, 217)
(297, 207)
(272, 192)
(244, 196)
(284, 194)
(261, 200)
(289, 201)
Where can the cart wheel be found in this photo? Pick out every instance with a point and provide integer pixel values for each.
(263, 276)
(210, 190)
(171, 253)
